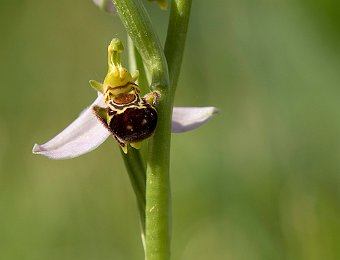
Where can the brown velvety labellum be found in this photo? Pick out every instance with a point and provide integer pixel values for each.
(134, 124)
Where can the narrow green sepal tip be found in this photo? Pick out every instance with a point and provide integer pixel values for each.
(97, 86)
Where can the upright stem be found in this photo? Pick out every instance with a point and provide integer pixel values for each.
(176, 37)
(139, 28)
(158, 205)
(157, 222)
(136, 63)
(136, 169)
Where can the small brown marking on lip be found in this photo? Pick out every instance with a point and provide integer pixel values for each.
(124, 98)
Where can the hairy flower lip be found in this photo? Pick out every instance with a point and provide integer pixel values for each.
(86, 133)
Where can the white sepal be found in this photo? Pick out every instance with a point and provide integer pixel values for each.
(188, 118)
(86, 133)
(83, 135)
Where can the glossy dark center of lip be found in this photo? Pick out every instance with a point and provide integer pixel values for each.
(134, 124)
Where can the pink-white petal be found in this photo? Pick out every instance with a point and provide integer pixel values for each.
(105, 5)
(188, 118)
(85, 134)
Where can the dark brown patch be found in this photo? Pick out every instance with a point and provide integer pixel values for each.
(135, 124)
(110, 112)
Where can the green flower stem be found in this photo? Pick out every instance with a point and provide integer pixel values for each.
(158, 210)
(136, 63)
(157, 213)
(139, 28)
(158, 206)
(175, 39)
(136, 170)
(157, 244)
(133, 160)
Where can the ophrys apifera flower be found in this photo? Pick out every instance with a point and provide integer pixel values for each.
(119, 111)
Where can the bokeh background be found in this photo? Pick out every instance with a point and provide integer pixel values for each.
(260, 181)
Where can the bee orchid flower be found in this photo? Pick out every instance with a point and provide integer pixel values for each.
(119, 111)
(86, 133)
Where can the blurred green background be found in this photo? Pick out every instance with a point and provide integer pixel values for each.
(260, 181)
